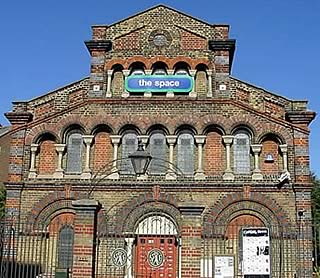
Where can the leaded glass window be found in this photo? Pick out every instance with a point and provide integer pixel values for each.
(129, 146)
(158, 150)
(74, 153)
(185, 156)
(241, 153)
(65, 247)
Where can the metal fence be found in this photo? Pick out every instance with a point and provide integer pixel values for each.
(45, 251)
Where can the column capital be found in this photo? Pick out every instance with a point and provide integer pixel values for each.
(228, 139)
(170, 71)
(115, 139)
(109, 72)
(34, 147)
(60, 147)
(256, 148)
(209, 72)
(171, 139)
(126, 72)
(144, 139)
(192, 72)
(87, 139)
(283, 148)
(200, 139)
(148, 71)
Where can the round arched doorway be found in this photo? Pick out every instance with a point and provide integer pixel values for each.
(156, 250)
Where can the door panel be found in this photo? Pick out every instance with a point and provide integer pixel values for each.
(156, 257)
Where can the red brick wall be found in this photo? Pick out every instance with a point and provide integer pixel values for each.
(214, 154)
(270, 146)
(130, 41)
(102, 152)
(191, 41)
(47, 158)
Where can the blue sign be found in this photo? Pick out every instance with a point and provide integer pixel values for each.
(159, 83)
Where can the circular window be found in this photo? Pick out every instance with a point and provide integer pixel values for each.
(160, 40)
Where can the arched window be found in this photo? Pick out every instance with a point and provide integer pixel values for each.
(129, 145)
(241, 153)
(158, 150)
(74, 152)
(137, 68)
(181, 68)
(65, 247)
(185, 159)
(159, 68)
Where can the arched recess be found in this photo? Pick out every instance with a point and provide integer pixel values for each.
(214, 151)
(241, 149)
(125, 219)
(158, 149)
(117, 80)
(185, 150)
(201, 79)
(46, 157)
(73, 159)
(271, 160)
(261, 210)
(101, 148)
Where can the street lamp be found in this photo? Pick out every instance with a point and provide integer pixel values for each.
(140, 160)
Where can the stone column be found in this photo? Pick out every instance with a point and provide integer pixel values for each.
(193, 92)
(200, 139)
(130, 250)
(84, 238)
(170, 93)
(228, 174)
(256, 175)
(109, 80)
(148, 93)
(171, 175)
(87, 139)
(125, 75)
(191, 240)
(209, 83)
(33, 170)
(284, 150)
(58, 174)
(115, 139)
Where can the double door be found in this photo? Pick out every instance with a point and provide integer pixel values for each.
(156, 257)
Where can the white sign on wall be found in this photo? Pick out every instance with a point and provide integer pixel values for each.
(256, 251)
(223, 267)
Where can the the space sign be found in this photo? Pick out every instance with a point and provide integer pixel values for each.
(159, 83)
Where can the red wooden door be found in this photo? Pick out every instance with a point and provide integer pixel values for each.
(156, 257)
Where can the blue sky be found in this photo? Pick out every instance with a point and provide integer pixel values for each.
(278, 45)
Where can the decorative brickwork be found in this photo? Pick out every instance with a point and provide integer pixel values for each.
(225, 143)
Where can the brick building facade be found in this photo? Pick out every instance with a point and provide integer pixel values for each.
(227, 154)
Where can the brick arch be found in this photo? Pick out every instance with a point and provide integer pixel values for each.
(148, 62)
(126, 218)
(37, 131)
(267, 133)
(64, 124)
(190, 120)
(48, 206)
(98, 121)
(258, 205)
(214, 120)
(246, 120)
(281, 132)
(161, 121)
